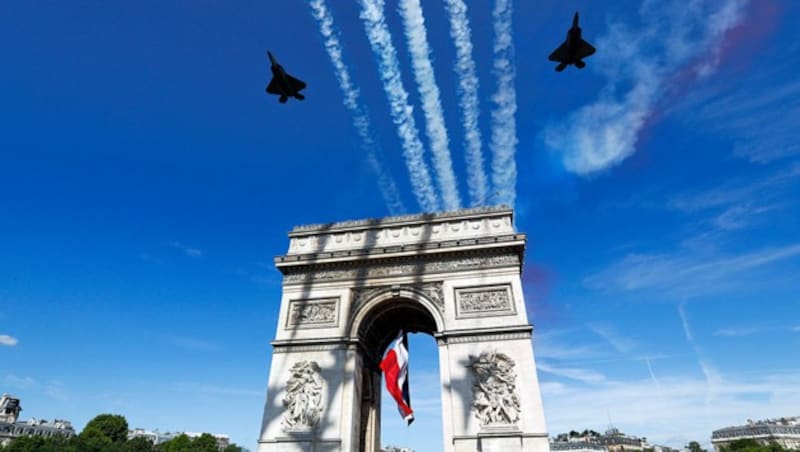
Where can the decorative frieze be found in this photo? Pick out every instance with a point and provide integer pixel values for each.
(483, 338)
(431, 290)
(313, 313)
(484, 301)
(303, 400)
(404, 266)
(495, 398)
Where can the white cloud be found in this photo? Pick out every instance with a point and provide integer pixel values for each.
(8, 341)
(210, 389)
(758, 113)
(674, 410)
(602, 134)
(193, 344)
(736, 332)
(686, 274)
(19, 382)
(572, 373)
(620, 344)
(187, 250)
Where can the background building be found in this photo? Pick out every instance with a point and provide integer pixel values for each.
(11, 427)
(591, 441)
(784, 431)
(157, 437)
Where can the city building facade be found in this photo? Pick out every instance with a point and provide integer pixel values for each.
(783, 431)
(11, 427)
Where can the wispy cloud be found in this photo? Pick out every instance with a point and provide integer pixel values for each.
(417, 38)
(461, 34)
(187, 250)
(602, 134)
(8, 341)
(352, 101)
(380, 40)
(686, 274)
(56, 390)
(573, 373)
(194, 344)
(758, 113)
(504, 127)
(670, 415)
(210, 389)
(18, 382)
(620, 343)
(736, 332)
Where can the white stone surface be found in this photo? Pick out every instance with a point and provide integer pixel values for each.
(363, 268)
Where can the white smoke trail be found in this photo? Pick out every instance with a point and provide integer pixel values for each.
(381, 42)
(352, 102)
(504, 127)
(468, 100)
(417, 38)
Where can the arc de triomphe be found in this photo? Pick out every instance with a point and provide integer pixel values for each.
(349, 287)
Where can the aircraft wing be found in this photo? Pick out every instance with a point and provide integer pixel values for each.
(585, 49)
(560, 54)
(272, 88)
(296, 84)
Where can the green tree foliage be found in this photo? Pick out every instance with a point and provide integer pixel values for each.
(205, 443)
(112, 426)
(751, 445)
(181, 443)
(694, 446)
(109, 433)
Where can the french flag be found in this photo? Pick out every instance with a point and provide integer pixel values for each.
(395, 372)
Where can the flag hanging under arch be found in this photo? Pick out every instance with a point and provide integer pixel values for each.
(395, 372)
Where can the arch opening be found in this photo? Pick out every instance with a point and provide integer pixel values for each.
(377, 325)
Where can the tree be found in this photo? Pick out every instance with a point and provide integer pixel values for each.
(94, 440)
(205, 443)
(139, 444)
(25, 444)
(113, 426)
(233, 448)
(181, 443)
(694, 446)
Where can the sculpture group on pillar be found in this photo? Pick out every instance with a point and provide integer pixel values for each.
(303, 399)
(495, 394)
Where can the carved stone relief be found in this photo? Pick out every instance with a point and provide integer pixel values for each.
(303, 399)
(401, 267)
(485, 300)
(313, 313)
(432, 290)
(495, 398)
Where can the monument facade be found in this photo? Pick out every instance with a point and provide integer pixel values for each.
(349, 287)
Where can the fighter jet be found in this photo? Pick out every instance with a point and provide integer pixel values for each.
(573, 50)
(283, 84)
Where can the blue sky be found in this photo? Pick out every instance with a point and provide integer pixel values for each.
(146, 182)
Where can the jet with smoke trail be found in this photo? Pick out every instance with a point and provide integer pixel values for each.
(573, 50)
(283, 84)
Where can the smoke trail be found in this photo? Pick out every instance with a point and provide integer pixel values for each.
(504, 128)
(414, 25)
(353, 104)
(468, 100)
(381, 42)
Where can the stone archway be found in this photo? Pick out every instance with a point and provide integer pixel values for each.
(349, 287)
